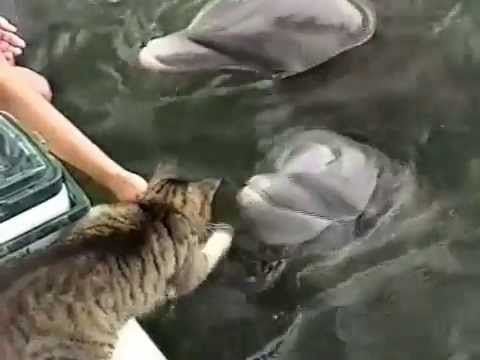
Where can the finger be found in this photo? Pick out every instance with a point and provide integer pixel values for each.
(6, 25)
(15, 51)
(13, 39)
(7, 47)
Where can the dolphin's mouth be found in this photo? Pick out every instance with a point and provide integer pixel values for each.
(249, 197)
(149, 61)
(171, 53)
(177, 53)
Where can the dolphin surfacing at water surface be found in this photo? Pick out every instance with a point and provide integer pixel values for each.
(321, 185)
(270, 37)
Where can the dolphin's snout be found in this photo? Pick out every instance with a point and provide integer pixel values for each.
(148, 40)
(254, 192)
(259, 182)
(146, 59)
(248, 197)
(149, 60)
(167, 54)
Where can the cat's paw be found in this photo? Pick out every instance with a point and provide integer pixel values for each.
(218, 243)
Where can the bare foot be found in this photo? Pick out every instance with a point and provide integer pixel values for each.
(128, 186)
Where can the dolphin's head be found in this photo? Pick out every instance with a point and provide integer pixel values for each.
(176, 53)
(273, 220)
(319, 179)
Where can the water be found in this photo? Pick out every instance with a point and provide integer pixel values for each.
(412, 92)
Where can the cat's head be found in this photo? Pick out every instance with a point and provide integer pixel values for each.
(192, 198)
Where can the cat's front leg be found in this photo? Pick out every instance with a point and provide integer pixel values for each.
(200, 262)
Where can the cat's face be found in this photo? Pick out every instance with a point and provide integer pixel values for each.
(192, 198)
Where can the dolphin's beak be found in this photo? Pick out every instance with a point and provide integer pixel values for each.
(148, 60)
(248, 197)
(178, 53)
(250, 194)
(172, 53)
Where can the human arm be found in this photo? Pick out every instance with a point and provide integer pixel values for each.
(63, 138)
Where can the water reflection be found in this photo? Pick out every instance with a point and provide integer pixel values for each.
(415, 306)
(412, 92)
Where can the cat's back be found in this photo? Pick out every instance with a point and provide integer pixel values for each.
(53, 290)
(15, 275)
(107, 230)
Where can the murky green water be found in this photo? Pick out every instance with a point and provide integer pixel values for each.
(412, 92)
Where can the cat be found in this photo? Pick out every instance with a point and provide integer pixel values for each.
(121, 261)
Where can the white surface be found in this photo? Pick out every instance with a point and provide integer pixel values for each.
(134, 343)
(33, 217)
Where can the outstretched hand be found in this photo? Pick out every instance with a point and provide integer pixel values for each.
(11, 45)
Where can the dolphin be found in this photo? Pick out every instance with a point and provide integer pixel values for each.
(318, 184)
(277, 38)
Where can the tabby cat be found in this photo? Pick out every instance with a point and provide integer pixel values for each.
(121, 261)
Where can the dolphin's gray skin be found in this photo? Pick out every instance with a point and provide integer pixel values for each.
(274, 37)
(332, 207)
(320, 184)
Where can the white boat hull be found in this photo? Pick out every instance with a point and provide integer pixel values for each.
(134, 343)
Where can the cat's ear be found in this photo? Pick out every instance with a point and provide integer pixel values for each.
(164, 171)
(209, 186)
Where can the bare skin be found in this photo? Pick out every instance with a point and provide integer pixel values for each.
(12, 45)
(26, 94)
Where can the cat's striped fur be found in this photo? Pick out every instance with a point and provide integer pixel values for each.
(121, 261)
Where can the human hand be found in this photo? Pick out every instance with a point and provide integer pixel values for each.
(7, 58)
(11, 44)
(127, 186)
